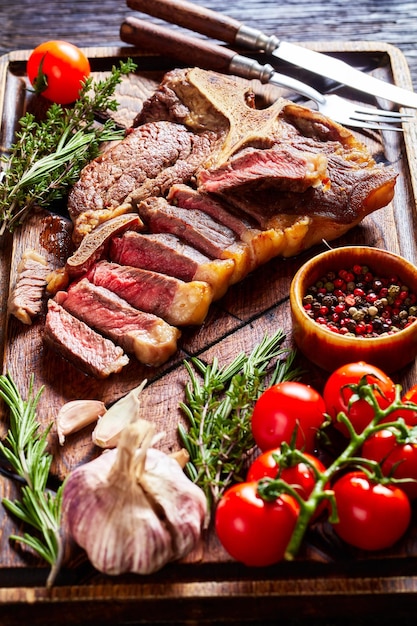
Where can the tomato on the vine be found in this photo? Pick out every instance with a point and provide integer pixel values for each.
(337, 394)
(251, 530)
(301, 476)
(283, 409)
(372, 516)
(57, 69)
(397, 459)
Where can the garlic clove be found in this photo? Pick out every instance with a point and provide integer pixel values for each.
(182, 501)
(76, 414)
(107, 432)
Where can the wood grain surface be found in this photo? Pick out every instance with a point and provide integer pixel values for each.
(327, 583)
(93, 23)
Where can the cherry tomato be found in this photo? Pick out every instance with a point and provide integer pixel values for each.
(397, 459)
(283, 408)
(56, 69)
(300, 476)
(371, 516)
(409, 417)
(253, 531)
(336, 395)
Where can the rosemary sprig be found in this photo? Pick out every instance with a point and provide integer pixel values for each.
(25, 448)
(219, 408)
(48, 156)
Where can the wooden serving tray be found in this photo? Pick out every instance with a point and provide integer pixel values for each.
(209, 585)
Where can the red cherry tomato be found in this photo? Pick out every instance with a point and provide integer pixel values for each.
(336, 395)
(371, 516)
(397, 459)
(283, 408)
(57, 69)
(253, 531)
(300, 476)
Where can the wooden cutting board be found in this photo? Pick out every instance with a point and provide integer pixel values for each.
(237, 322)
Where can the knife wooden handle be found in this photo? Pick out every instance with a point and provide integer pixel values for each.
(192, 16)
(171, 43)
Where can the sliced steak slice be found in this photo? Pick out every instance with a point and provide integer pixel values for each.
(25, 300)
(147, 336)
(168, 254)
(281, 168)
(82, 346)
(177, 302)
(147, 162)
(199, 230)
(187, 197)
(262, 244)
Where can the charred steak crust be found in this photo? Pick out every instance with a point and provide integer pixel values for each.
(147, 162)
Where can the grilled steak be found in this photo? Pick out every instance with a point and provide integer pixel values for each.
(81, 345)
(26, 298)
(148, 161)
(146, 336)
(177, 302)
(168, 254)
(284, 165)
(352, 186)
(220, 187)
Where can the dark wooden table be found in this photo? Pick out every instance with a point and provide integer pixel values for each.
(26, 23)
(361, 600)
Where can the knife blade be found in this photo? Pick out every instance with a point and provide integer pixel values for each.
(205, 54)
(224, 28)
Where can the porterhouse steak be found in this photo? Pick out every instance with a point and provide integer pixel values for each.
(218, 187)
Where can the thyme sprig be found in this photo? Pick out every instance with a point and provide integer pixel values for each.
(25, 448)
(218, 408)
(48, 155)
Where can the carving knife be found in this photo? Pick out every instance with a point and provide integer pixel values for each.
(224, 28)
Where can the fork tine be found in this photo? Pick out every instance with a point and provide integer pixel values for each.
(378, 118)
(371, 125)
(389, 114)
(355, 115)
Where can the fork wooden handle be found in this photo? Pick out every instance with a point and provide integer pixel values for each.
(192, 16)
(171, 43)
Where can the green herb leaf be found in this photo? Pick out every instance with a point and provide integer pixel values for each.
(218, 408)
(26, 450)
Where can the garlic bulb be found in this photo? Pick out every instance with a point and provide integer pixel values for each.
(76, 414)
(133, 509)
(106, 433)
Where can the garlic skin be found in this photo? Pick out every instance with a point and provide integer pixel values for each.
(131, 509)
(107, 432)
(76, 414)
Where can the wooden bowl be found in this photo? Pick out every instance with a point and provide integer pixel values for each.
(330, 350)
